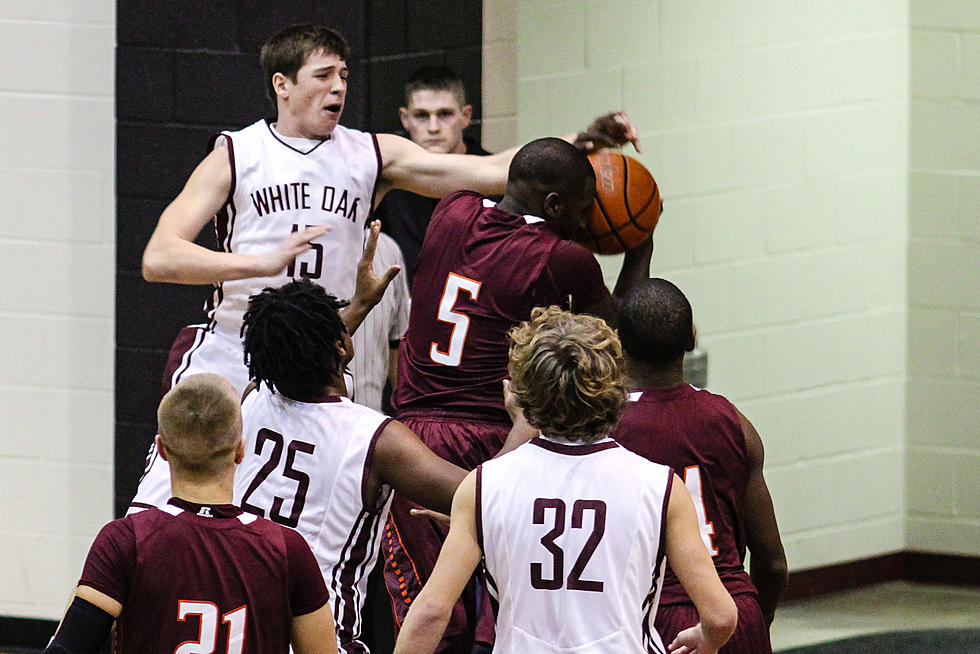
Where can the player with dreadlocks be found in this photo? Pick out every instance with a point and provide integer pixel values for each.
(315, 460)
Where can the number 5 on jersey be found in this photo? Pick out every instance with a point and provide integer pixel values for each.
(460, 321)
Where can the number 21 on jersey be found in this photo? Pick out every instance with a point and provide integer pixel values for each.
(460, 321)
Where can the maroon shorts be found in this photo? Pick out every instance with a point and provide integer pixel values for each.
(411, 545)
(751, 635)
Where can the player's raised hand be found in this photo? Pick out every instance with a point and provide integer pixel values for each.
(370, 288)
(288, 249)
(610, 130)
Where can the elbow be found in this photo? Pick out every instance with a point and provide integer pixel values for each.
(154, 266)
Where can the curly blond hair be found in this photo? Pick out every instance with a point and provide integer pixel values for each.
(564, 371)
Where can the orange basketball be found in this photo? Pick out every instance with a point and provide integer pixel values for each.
(627, 204)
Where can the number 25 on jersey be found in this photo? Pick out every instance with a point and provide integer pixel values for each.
(460, 321)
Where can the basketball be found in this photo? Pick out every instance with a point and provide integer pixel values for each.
(627, 204)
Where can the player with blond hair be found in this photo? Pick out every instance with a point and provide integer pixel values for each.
(573, 529)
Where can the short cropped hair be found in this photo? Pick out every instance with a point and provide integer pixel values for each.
(287, 50)
(655, 322)
(435, 78)
(200, 422)
(550, 165)
(290, 335)
(564, 371)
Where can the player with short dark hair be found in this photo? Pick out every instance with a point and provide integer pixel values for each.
(199, 572)
(573, 529)
(715, 450)
(315, 460)
(484, 266)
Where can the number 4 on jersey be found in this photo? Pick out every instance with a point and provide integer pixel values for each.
(692, 479)
(460, 321)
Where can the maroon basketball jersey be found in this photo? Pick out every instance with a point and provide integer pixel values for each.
(699, 435)
(204, 578)
(480, 272)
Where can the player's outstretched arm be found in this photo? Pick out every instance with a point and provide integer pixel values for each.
(406, 165)
(405, 463)
(460, 554)
(690, 560)
(171, 254)
(768, 562)
(368, 287)
(314, 633)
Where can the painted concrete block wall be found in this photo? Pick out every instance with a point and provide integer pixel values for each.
(56, 310)
(943, 422)
(778, 132)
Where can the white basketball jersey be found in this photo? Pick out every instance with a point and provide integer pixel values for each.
(278, 189)
(572, 541)
(305, 466)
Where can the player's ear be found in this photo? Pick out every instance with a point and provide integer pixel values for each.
(694, 339)
(552, 205)
(279, 85)
(403, 114)
(159, 443)
(240, 451)
(467, 115)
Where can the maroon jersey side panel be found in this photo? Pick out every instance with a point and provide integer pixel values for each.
(480, 272)
(698, 434)
(190, 578)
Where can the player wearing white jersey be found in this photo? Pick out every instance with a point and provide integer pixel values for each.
(315, 460)
(376, 340)
(573, 528)
(315, 214)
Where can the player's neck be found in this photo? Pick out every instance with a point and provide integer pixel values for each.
(209, 492)
(644, 374)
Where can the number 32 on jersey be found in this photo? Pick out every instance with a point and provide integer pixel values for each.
(455, 284)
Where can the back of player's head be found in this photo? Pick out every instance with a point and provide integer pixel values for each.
(287, 50)
(655, 322)
(435, 78)
(564, 372)
(549, 165)
(291, 336)
(200, 423)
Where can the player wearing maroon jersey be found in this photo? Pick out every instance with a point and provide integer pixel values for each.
(573, 528)
(482, 269)
(718, 454)
(198, 575)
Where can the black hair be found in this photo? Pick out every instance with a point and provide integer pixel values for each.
(550, 164)
(655, 322)
(291, 336)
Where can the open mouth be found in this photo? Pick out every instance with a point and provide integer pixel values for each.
(334, 107)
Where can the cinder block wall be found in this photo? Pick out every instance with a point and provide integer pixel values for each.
(56, 310)
(943, 425)
(779, 134)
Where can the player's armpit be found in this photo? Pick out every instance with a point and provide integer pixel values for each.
(86, 624)
(314, 633)
(692, 564)
(768, 567)
(406, 464)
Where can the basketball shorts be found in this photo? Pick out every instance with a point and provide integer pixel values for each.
(410, 546)
(751, 634)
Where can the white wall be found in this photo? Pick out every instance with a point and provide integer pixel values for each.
(778, 131)
(57, 233)
(944, 279)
